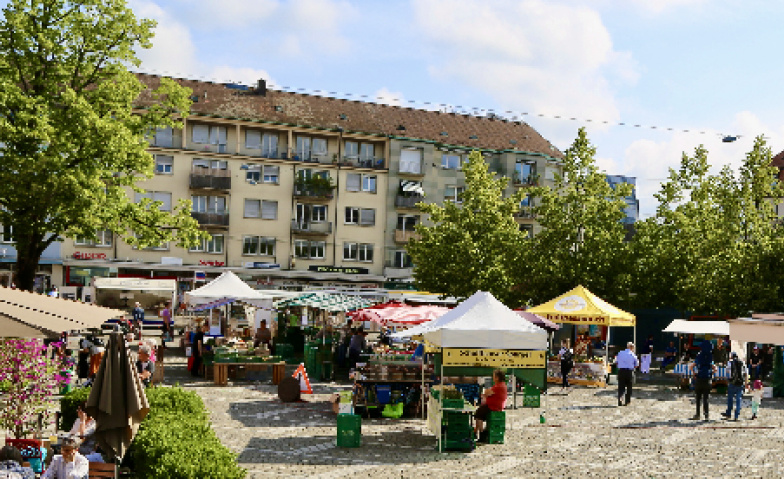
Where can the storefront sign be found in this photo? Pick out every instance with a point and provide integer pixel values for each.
(211, 263)
(578, 319)
(338, 269)
(494, 358)
(83, 255)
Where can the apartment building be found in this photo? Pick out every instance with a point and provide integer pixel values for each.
(300, 189)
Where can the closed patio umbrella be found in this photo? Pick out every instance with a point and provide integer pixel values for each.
(117, 400)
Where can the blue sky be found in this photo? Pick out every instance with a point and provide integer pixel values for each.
(699, 65)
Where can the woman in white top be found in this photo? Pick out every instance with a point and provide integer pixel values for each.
(69, 464)
(83, 429)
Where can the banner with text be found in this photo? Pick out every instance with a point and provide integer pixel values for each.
(494, 358)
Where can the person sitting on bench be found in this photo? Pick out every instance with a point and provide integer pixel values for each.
(493, 399)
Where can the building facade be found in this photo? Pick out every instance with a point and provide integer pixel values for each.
(300, 189)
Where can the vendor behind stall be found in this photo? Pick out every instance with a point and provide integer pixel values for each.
(493, 399)
(263, 336)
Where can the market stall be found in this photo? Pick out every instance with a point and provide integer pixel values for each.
(765, 329)
(593, 319)
(476, 337)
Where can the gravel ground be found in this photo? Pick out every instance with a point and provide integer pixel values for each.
(585, 435)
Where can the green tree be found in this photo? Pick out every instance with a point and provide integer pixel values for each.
(72, 147)
(582, 237)
(715, 244)
(472, 245)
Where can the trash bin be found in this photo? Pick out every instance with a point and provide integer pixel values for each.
(349, 430)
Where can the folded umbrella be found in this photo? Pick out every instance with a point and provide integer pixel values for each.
(117, 401)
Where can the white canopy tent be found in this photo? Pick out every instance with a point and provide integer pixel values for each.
(719, 328)
(766, 329)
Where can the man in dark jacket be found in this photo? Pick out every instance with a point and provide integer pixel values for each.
(703, 371)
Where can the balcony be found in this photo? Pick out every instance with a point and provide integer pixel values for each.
(361, 162)
(311, 229)
(530, 180)
(403, 236)
(395, 270)
(408, 201)
(525, 213)
(267, 153)
(210, 178)
(416, 172)
(211, 219)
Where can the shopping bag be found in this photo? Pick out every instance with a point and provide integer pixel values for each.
(190, 363)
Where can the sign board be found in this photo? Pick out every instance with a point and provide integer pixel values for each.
(337, 269)
(494, 358)
(580, 319)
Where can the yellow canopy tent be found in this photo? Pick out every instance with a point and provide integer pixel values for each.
(580, 306)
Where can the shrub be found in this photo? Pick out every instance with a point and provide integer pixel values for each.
(68, 405)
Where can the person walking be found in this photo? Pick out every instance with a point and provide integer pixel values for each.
(703, 371)
(756, 397)
(138, 319)
(646, 355)
(738, 382)
(627, 361)
(566, 355)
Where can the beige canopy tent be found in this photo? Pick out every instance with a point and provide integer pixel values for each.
(23, 312)
(760, 328)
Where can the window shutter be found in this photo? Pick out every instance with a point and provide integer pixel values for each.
(251, 208)
(411, 161)
(269, 210)
(163, 137)
(252, 139)
(165, 198)
(353, 182)
(218, 135)
(201, 134)
(367, 216)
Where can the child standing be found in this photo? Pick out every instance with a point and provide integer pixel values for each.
(756, 397)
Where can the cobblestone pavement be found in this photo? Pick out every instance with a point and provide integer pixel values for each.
(586, 435)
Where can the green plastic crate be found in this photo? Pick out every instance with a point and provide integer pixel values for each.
(453, 403)
(495, 437)
(456, 419)
(349, 430)
(497, 418)
(463, 441)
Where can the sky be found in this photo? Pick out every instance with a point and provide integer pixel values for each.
(706, 66)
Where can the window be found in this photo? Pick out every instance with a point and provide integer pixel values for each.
(213, 135)
(209, 204)
(164, 137)
(164, 164)
(102, 238)
(252, 139)
(258, 245)
(452, 193)
(407, 222)
(303, 147)
(358, 182)
(353, 182)
(214, 164)
(319, 147)
(451, 162)
(525, 171)
(367, 216)
(411, 161)
(402, 260)
(269, 145)
(367, 151)
(352, 215)
(214, 245)
(358, 252)
(526, 201)
(369, 183)
(528, 229)
(269, 210)
(309, 249)
(253, 174)
(164, 197)
(319, 213)
(352, 150)
(8, 234)
(252, 208)
(271, 174)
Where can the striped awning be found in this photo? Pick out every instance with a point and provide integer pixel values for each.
(328, 302)
(412, 187)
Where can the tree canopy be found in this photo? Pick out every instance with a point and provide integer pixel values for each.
(582, 237)
(73, 148)
(474, 244)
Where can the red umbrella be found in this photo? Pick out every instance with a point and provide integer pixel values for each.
(408, 315)
(368, 314)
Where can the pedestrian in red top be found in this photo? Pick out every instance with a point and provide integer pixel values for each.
(493, 399)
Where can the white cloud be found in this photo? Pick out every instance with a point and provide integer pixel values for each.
(661, 6)
(386, 97)
(226, 14)
(174, 53)
(533, 56)
(318, 24)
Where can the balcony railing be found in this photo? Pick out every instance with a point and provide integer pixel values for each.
(210, 178)
(211, 219)
(530, 180)
(418, 173)
(403, 236)
(408, 201)
(306, 228)
(525, 213)
(362, 162)
(313, 192)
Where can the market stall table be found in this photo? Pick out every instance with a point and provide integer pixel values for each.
(221, 370)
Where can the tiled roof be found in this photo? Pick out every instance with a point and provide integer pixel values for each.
(778, 160)
(314, 111)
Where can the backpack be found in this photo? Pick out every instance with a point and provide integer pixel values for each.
(736, 373)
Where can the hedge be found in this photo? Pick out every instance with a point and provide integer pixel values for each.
(68, 405)
(175, 440)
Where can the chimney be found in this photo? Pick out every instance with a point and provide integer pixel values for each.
(261, 87)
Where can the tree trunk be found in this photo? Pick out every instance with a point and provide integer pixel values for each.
(28, 253)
